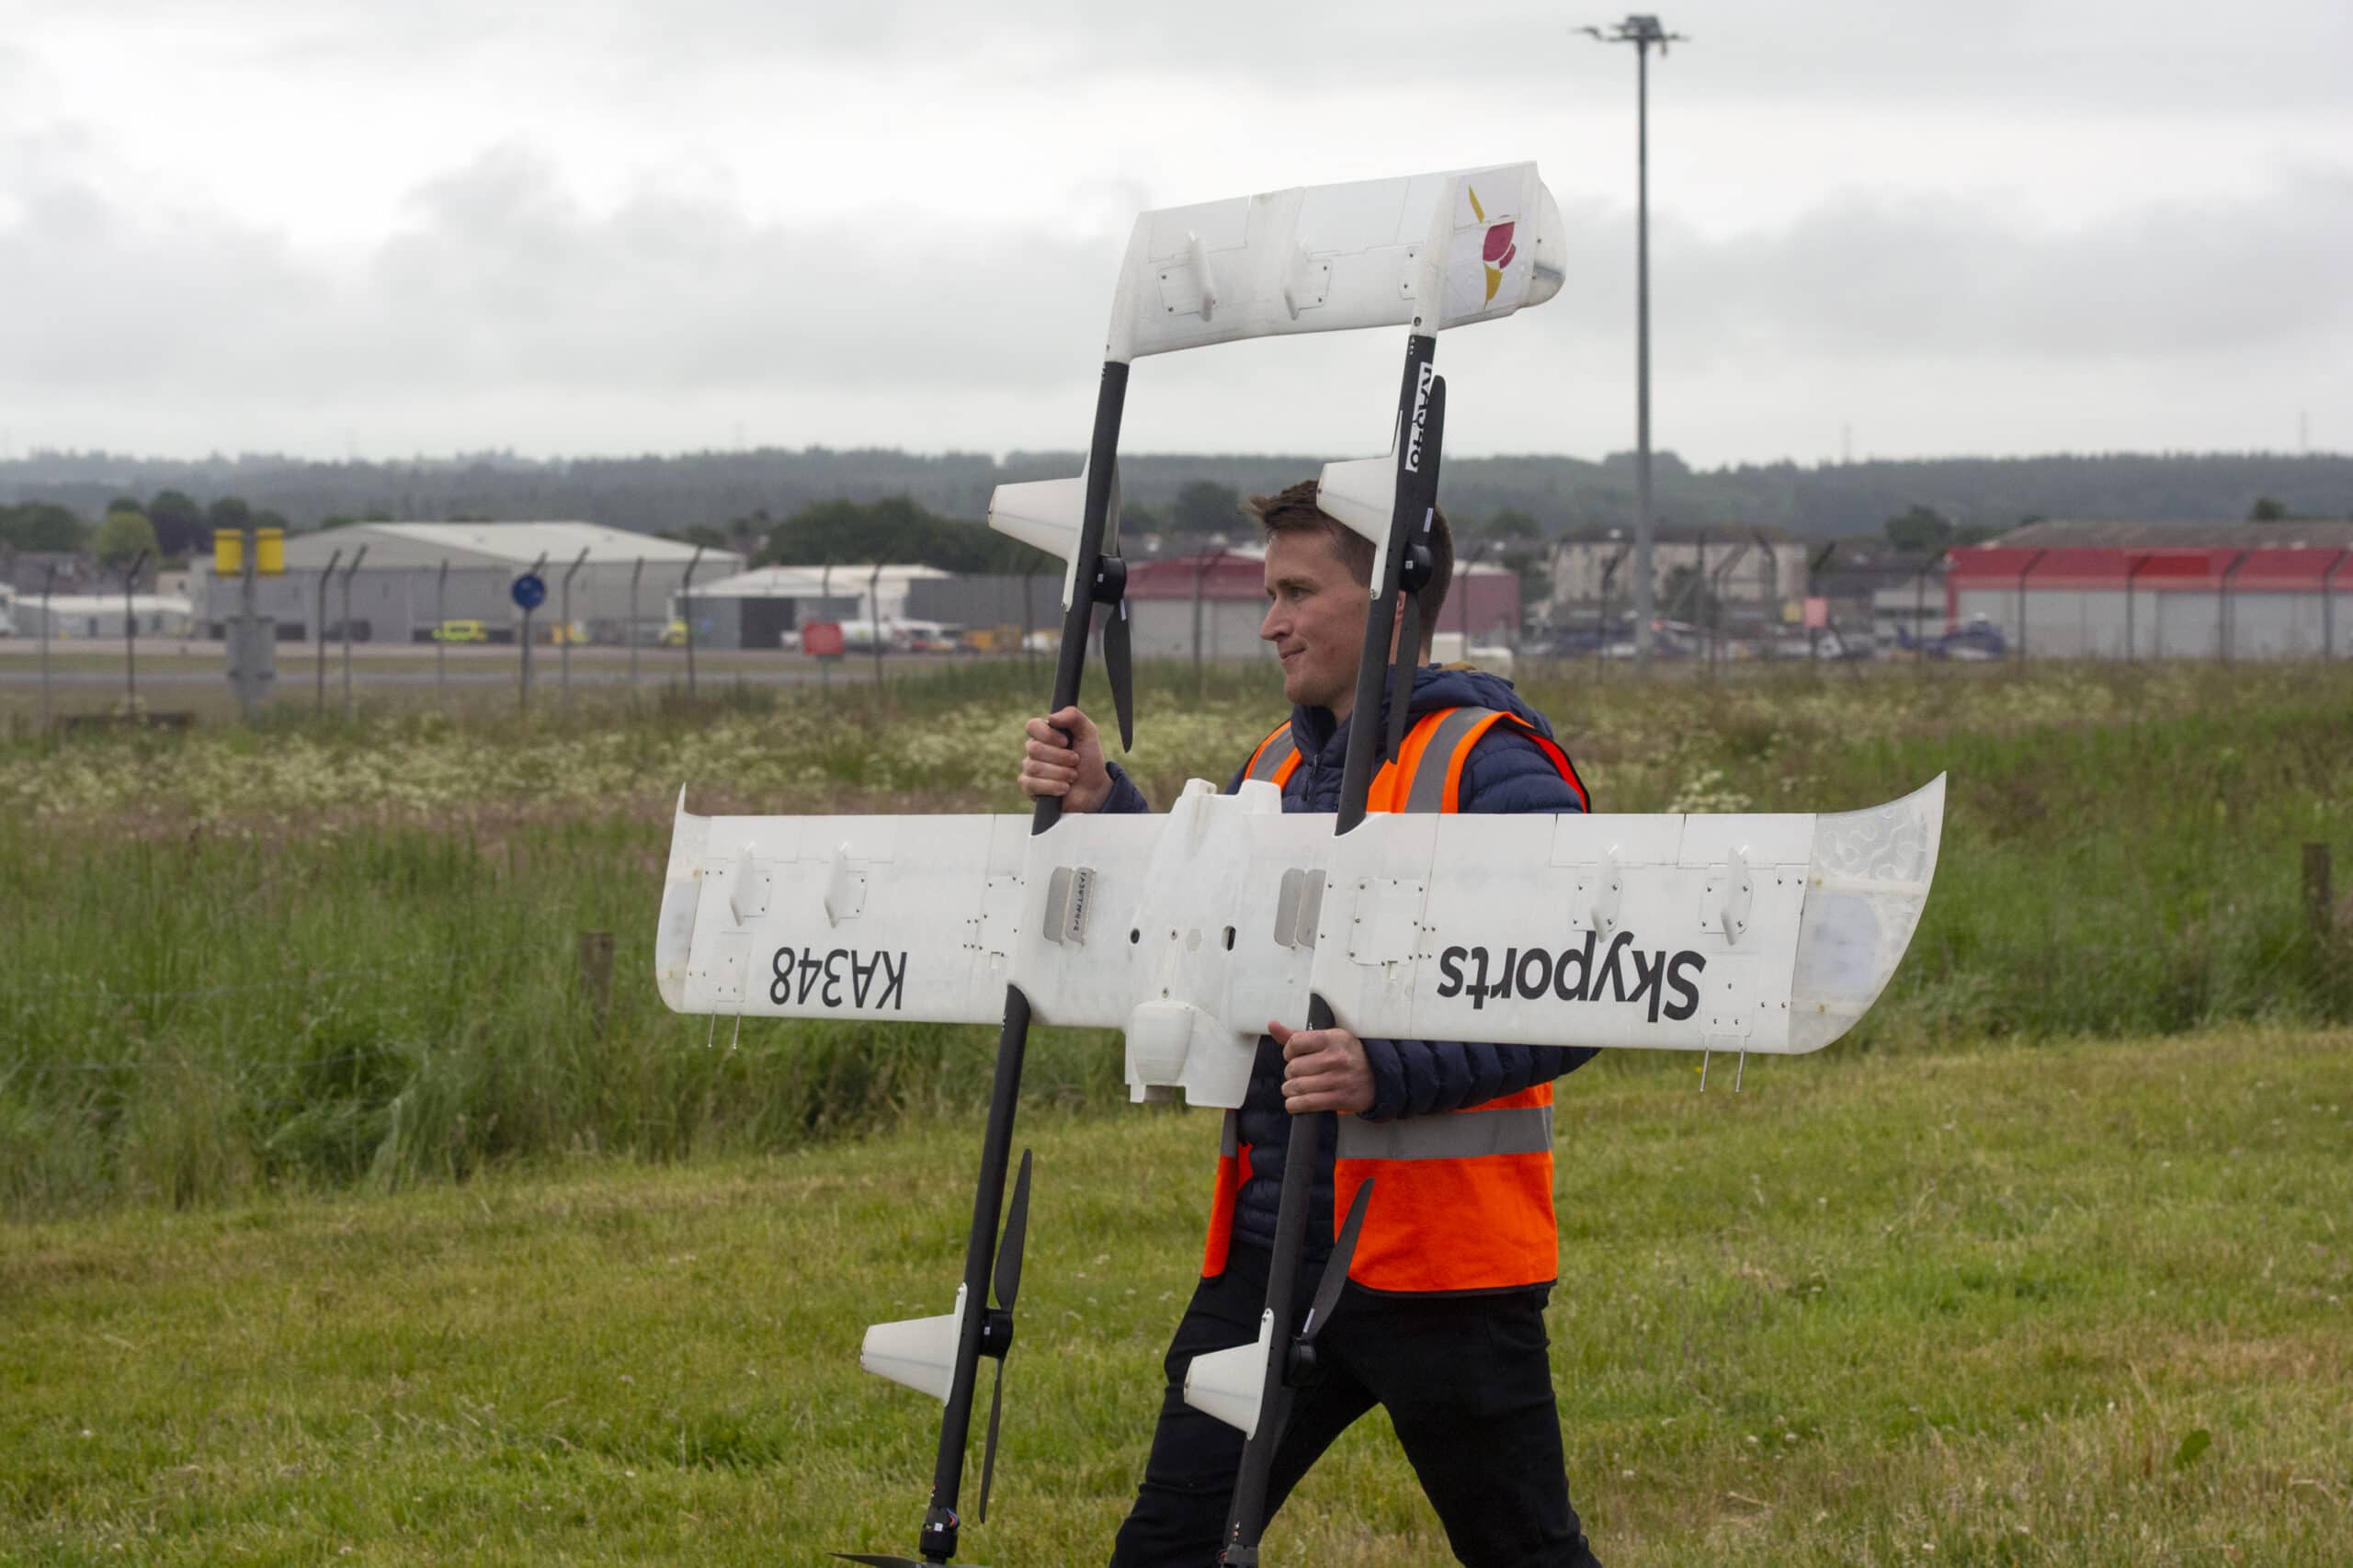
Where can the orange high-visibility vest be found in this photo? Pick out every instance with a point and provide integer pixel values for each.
(1464, 1198)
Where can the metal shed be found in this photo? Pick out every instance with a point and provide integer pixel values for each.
(754, 609)
(416, 575)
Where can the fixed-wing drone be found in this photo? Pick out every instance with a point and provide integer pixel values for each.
(1187, 930)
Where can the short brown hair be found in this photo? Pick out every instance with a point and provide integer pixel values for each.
(1297, 510)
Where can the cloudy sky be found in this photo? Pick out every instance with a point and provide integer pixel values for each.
(604, 226)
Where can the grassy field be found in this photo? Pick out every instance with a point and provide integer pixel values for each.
(339, 1218)
(2082, 1304)
(323, 954)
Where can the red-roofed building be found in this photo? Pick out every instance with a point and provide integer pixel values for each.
(2077, 590)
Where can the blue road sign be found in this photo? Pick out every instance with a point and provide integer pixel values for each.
(528, 591)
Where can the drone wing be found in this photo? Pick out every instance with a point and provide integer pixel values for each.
(1768, 934)
(847, 917)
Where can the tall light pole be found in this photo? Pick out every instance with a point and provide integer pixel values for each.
(1642, 32)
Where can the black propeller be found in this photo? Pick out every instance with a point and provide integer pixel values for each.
(1119, 668)
(988, 1454)
(1335, 1269)
(1007, 1284)
(1401, 679)
(1110, 590)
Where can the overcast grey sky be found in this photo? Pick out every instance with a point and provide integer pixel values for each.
(593, 228)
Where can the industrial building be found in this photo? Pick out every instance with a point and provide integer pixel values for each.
(2100, 590)
(1750, 573)
(98, 616)
(754, 609)
(416, 577)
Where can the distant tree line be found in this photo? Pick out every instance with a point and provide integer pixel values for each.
(846, 532)
(169, 529)
(1186, 495)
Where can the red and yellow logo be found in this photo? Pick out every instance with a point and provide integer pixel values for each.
(1498, 250)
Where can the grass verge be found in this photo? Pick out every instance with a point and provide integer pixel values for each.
(1966, 1307)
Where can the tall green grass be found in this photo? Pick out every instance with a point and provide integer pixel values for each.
(334, 954)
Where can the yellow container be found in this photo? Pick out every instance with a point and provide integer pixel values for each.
(229, 553)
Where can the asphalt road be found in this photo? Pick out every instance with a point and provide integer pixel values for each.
(20, 661)
(88, 675)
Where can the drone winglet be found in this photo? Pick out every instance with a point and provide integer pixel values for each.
(919, 1352)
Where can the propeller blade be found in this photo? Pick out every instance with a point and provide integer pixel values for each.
(988, 1454)
(1017, 1231)
(1401, 679)
(1120, 666)
(1335, 1270)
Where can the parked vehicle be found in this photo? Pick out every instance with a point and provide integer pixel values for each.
(1825, 642)
(1979, 641)
(925, 636)
(901, 636)
(461, 631)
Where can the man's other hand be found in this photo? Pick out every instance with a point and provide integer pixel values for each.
(1063, 756)
(1324, 1070)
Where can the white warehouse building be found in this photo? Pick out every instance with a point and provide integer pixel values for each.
(416, 575)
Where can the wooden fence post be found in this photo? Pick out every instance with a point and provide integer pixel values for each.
(596, 975)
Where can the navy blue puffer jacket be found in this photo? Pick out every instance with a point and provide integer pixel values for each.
(1505, 772)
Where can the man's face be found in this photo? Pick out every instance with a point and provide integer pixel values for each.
(1315, 612)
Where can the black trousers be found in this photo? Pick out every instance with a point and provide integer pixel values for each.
(1465, 1380)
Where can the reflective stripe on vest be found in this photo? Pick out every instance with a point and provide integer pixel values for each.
(1463, 1201)
(1276, 758)
(1459, 1135)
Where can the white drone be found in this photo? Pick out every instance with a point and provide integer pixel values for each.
(1186, 931)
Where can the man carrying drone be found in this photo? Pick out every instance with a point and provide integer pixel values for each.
(1443, 1323)
(1613, 932)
